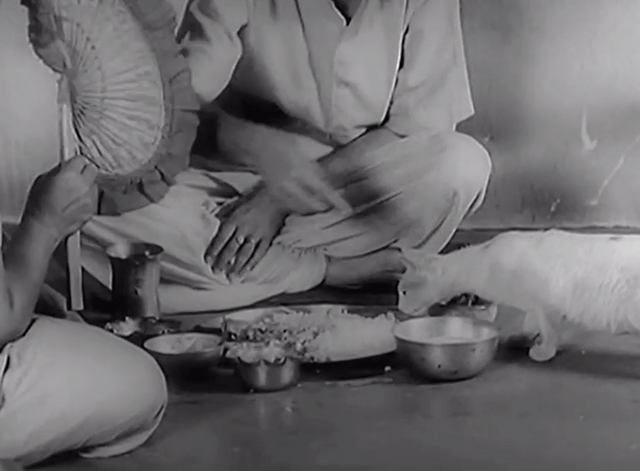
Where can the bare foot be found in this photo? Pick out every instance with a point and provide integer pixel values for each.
(382, 266)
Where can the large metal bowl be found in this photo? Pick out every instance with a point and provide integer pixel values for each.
(446, 348)
(185, 351)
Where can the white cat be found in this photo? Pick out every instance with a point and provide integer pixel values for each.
(591, 280)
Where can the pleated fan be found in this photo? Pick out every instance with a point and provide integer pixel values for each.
(125, 99)
(133, 111)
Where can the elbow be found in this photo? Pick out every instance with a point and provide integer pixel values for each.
(11, 331)
(206, 79)
(211, 68)
(13, 321)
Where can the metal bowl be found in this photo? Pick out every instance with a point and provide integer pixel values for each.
(264, 376)
(446, 348)
(186, 350)
(265, 368)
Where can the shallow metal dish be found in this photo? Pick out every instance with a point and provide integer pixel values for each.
(446, 348)
(186, 350)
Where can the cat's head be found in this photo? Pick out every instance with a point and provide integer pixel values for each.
(422, 285)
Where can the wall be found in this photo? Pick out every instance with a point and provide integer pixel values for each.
(537, 68)
(28, 132)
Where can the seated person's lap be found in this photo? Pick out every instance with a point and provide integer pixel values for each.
(69, 386)
(435, 178)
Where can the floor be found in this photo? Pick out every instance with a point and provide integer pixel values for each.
(579, 412)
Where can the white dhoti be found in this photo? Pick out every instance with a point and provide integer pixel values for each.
(67, 386)
(436, 179)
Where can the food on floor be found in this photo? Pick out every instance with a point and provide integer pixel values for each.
(123, 328)
(251, 352)
(323, 333)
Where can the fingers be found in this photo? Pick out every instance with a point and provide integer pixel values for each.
(228, 253)
(294, 196)
(310, 192)
(325, 192)
(225, 233)
(243, 255)
(82, 166)
(235, 255)
(261, 249)
(89, 172)
(75, 164)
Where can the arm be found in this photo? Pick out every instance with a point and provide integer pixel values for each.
(23, 266)
(59, 203)
(211, 43)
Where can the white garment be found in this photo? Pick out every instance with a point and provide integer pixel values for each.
(69, 386)
(396, 63)
(432, 180)
(400, 59)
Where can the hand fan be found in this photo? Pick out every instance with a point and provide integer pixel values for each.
(125, 100)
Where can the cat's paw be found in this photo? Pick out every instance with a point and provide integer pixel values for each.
(542, 351)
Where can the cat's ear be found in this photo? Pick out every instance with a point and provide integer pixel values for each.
(409, 263)
(417, 260)
(412, 258)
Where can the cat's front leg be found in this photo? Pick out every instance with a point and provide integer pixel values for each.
(545, 344)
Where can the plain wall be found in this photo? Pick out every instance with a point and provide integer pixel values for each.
(28, 117)
(536, 67)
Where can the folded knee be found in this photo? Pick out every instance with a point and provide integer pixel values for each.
(137, 391)
(124, 415)
(466, 164)
(101, 392)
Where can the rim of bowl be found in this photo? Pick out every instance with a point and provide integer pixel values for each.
(494, 332)
(279, 362)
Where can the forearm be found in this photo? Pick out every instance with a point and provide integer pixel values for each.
(345, 158)
(26, 259)
(338, 165)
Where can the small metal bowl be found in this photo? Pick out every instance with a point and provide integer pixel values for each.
(186, 350)
(446, 348)
(265, 376)
(264, 368)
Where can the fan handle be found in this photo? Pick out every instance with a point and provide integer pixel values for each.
(75, 298)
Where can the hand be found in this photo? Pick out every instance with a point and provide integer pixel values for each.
(64, 198)
(300, 185)
(245, 234)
